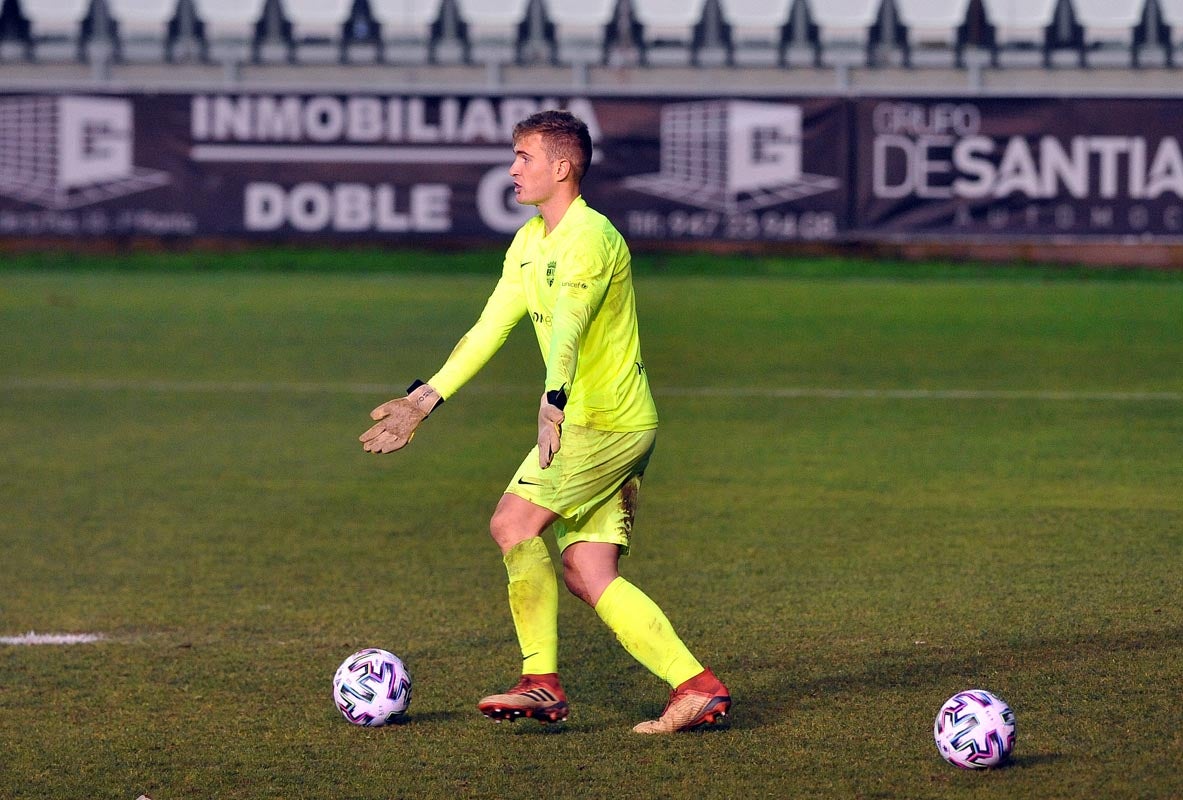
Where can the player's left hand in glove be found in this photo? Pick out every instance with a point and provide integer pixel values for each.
(550, 426)
(398, 419)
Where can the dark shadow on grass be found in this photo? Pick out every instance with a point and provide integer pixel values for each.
(1032, 760)
(580, 729)
(535, 729)
(772, 701)
(430, 718)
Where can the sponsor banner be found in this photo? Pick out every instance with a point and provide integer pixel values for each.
(389, 168)
(1028, 168)
(385, 167)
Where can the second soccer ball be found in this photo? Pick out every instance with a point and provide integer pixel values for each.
(975, 729)
(372, 687)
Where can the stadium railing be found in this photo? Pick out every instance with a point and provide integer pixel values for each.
(580, 34)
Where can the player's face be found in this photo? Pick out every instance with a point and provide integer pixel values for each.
(533, 174)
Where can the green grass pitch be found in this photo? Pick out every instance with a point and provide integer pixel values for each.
(872, 489)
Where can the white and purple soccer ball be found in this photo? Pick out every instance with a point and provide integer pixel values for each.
(372, 687)
(974, 730)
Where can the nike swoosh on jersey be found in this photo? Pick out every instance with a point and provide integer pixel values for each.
(525, 482)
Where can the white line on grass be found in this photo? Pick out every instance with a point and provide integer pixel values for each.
(281, 387)
(924, 394)
(34, 638)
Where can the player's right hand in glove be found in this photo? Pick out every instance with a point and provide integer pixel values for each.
(398, 419)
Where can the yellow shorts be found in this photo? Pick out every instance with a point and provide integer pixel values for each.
(592, 484)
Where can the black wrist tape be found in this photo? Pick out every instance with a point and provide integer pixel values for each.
(417, 383)
(557, 398)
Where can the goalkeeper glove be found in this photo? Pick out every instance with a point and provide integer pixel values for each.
(550, 425)
(398, 419)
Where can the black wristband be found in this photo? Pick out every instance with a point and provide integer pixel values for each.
(417, 383)
(557, 398)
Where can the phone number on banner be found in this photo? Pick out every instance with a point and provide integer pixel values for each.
(749, 226)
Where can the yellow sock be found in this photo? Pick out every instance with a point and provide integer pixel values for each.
(534, 605)
(645, 632)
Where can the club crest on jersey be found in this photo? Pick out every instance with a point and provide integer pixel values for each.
(550, 274)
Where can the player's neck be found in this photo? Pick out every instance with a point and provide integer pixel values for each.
(555, 208)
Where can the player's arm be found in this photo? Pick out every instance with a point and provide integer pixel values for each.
(581, 291)
(504, 309)
(398, 419)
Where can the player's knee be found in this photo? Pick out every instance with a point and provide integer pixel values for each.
(509, 530)
(501, 529)
(586, 580)
(575, 583)
(517, 520)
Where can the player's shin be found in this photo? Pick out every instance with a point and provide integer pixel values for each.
(646, 633)
(534, 605)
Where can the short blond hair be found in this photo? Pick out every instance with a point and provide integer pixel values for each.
(564, 135)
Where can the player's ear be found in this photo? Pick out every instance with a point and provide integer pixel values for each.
(562, 169)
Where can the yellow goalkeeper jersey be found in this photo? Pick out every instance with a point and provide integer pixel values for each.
(576, 286)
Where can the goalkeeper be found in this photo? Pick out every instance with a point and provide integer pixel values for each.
(568, 269)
